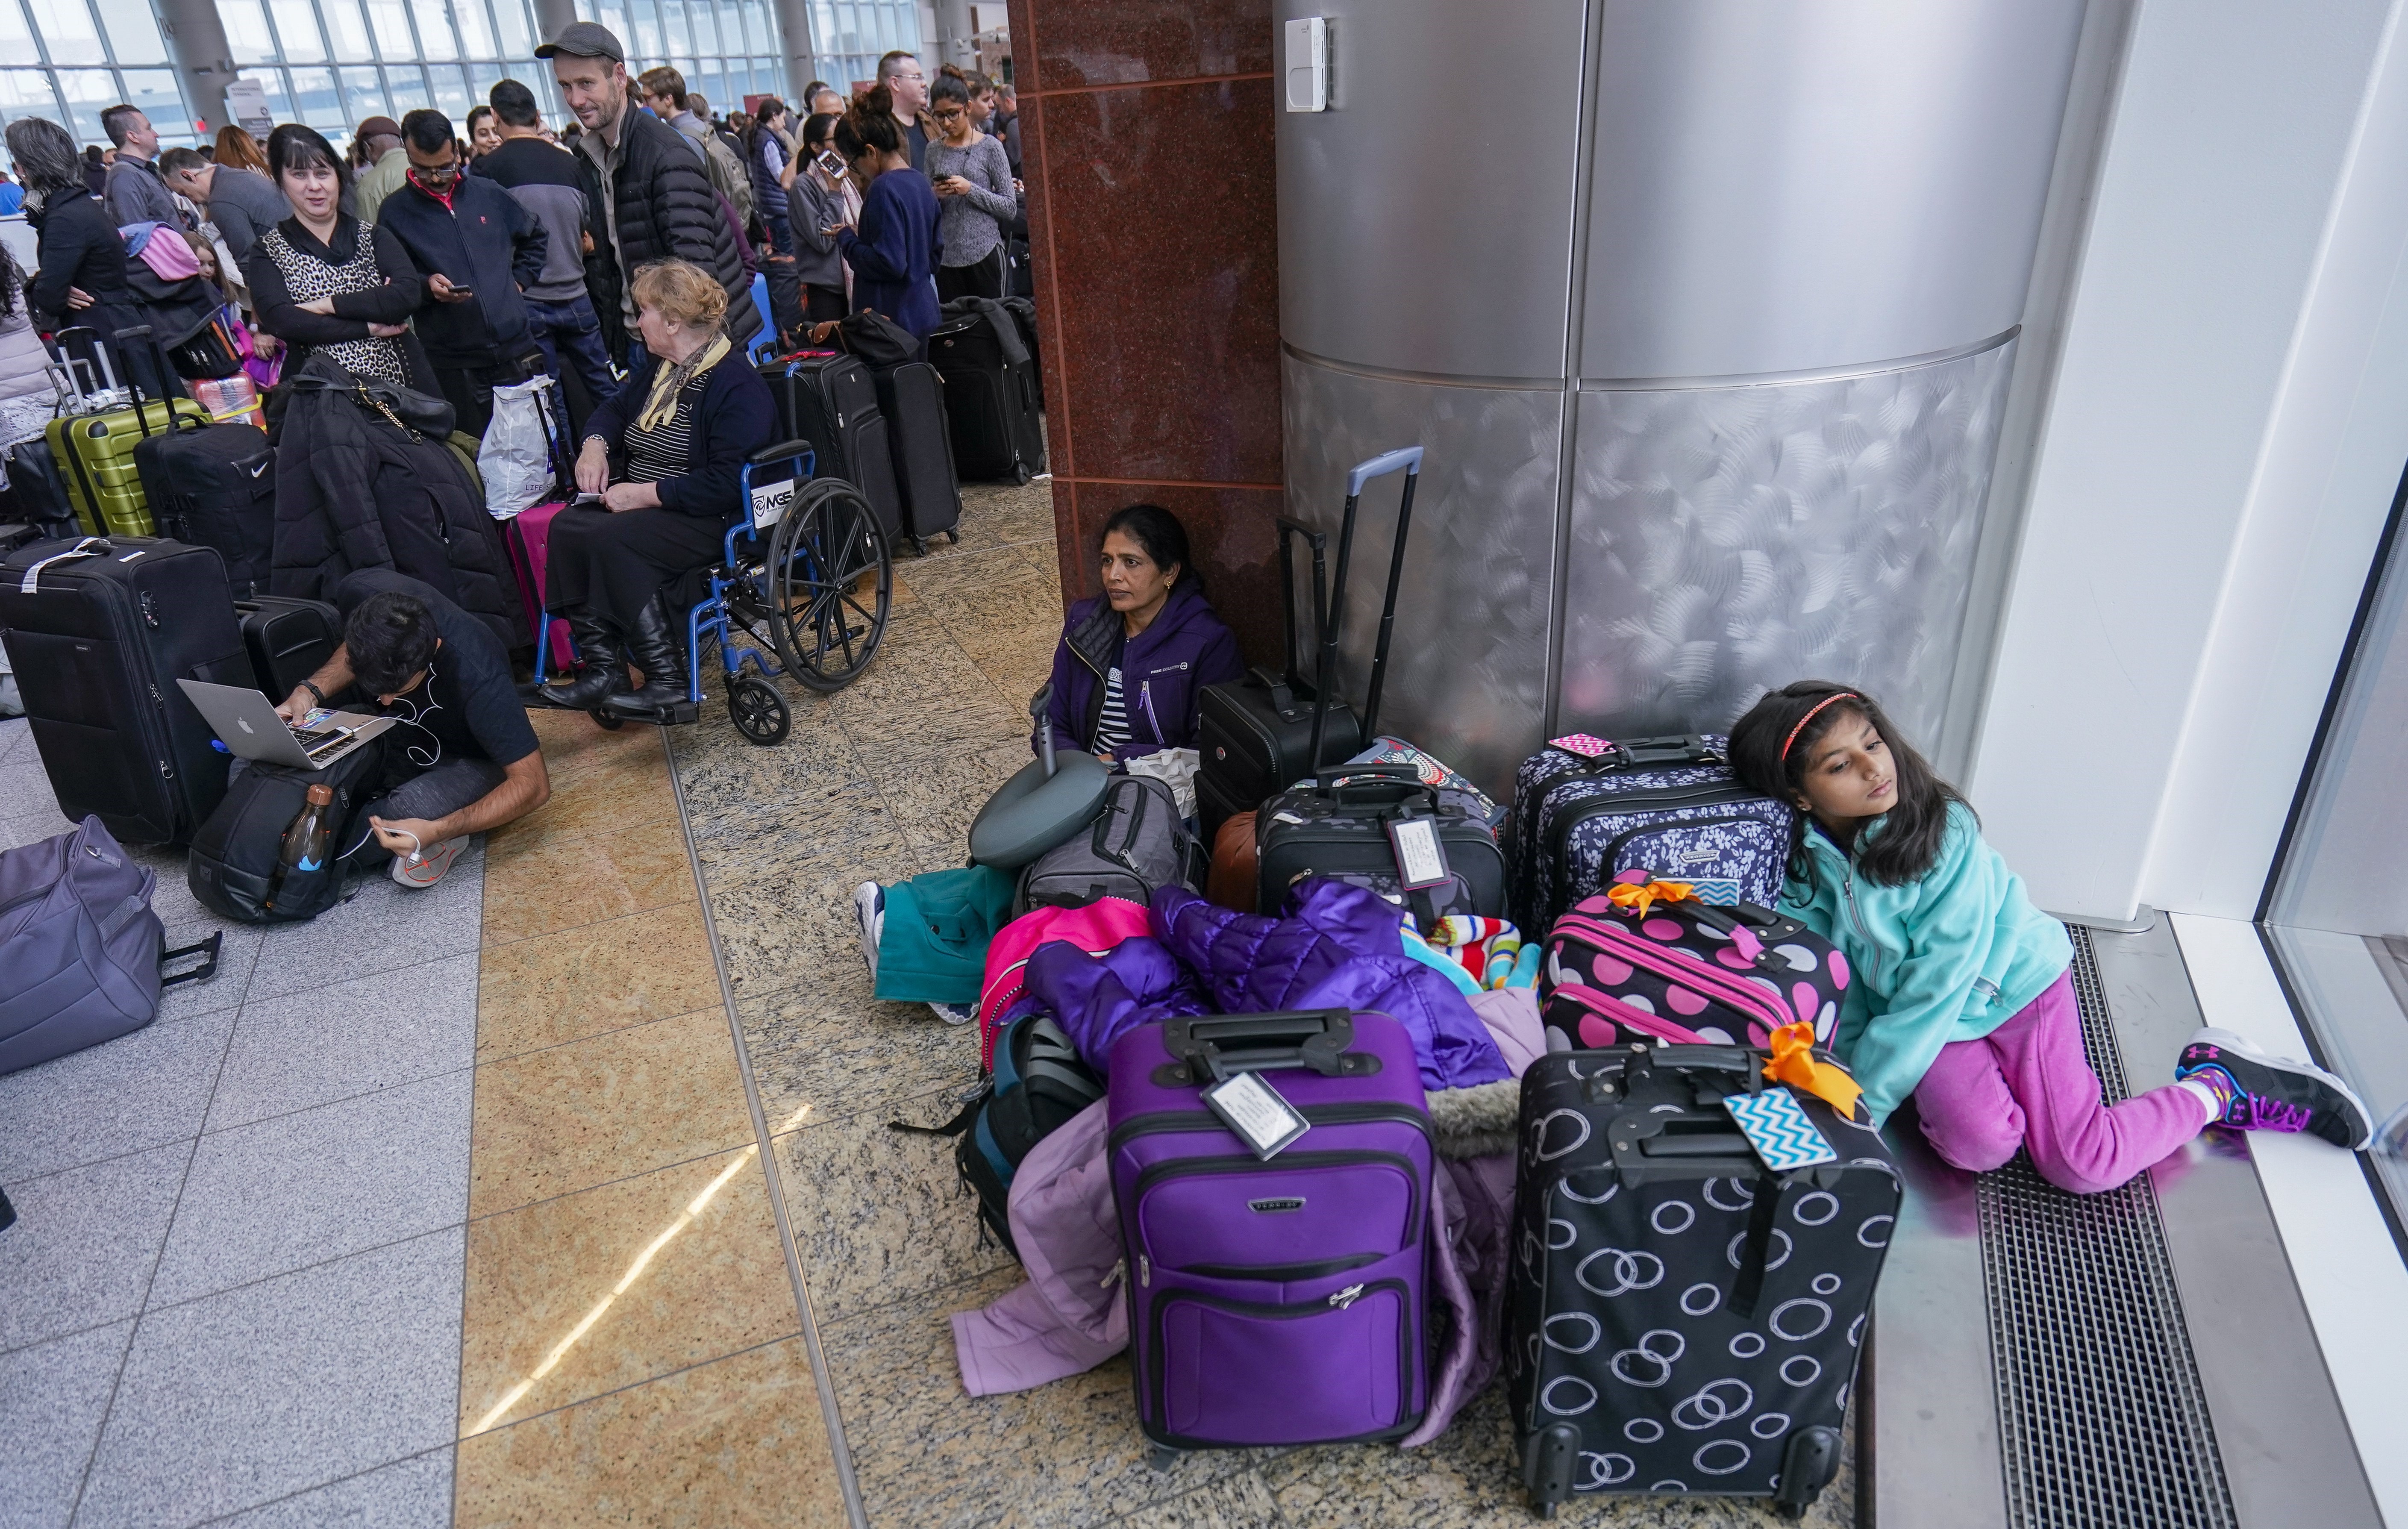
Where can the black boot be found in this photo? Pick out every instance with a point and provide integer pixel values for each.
(605, 669)
(653, 648)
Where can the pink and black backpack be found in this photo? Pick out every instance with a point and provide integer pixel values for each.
(1646, 960)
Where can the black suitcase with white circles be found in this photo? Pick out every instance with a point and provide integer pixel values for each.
(1683, 1320)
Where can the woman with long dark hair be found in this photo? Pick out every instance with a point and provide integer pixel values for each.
(894, 252)
(320, 282)
(1958, 989)
(1130, 669)
(83, 279)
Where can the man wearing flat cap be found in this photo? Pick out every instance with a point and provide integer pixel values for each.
(655, 198)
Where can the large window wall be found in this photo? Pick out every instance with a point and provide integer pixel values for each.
(70, 60)
(848, 35)
(332, 62)
(726, 49)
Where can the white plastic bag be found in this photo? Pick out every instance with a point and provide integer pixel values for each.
(1175, 768)
(515, 458)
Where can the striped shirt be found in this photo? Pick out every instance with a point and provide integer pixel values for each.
(1112, 726)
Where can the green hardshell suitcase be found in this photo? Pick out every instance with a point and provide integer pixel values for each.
(95, 446)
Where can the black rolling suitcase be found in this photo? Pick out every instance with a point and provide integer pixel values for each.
(1260, 734)
(1353, 822)
(288, 640)
(831, 402)
(913, 398)
(991, 393)
(214, 485)
(1681, 1317)
(99, 629)
(1255, 734)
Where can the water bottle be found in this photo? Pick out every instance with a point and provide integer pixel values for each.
(306, 840)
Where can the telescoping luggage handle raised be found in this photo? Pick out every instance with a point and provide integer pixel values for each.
(1213, 1048)
(1406, 459)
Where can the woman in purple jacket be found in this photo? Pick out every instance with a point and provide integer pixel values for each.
(1130, 671)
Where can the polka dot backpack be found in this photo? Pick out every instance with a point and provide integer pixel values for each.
(1648, 961)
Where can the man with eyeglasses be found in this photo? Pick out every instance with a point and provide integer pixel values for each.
(477, 247)
(900, 73)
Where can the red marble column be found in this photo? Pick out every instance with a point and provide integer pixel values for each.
(1146, 147)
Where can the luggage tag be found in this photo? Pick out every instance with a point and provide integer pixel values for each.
(1581, 745)
(1776, 1125)
(1256, 1111)
(1421, 857)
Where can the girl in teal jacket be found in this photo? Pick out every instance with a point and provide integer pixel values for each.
(1962, 993)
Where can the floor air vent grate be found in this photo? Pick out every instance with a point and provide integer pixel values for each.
(2101, 1416)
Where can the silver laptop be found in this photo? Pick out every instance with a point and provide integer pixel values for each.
(251, 728)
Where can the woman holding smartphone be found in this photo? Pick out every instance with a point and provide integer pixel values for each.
(893, 249)
(820, 197)
(973, 180)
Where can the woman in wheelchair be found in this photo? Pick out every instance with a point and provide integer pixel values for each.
(665, 457)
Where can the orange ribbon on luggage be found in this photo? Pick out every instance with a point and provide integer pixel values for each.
(1640, 896)
(1794, 1063)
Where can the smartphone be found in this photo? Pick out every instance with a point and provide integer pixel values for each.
(832, 162)
(464, 291)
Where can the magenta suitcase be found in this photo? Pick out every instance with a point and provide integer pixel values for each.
(1274, 1301)
(525, 533)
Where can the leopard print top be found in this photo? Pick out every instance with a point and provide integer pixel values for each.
(307, 277)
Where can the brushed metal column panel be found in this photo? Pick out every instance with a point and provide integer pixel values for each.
(1467, 671)
(2287, 1451)
(1815, 184)
(1424, 220)
(1726, 540)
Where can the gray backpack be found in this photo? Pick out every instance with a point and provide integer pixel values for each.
(80, 947)
(1136, 844)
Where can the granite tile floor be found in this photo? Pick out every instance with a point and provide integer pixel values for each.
(235, 1280)
(878, 783)
(563, 1194)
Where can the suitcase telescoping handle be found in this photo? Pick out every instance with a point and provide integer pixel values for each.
(1406, 459)
(96, 370)
(133, 388)
(1289, 529)
(1211, 1048)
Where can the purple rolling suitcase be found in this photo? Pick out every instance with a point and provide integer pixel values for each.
(1279, 1301)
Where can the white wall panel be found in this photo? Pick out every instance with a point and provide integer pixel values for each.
(2219, 452)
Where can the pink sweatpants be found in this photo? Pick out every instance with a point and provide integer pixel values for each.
(2029, 1083)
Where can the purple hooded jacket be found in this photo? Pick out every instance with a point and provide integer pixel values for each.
(1095, 999)
(1338, 946)
(1163, 670)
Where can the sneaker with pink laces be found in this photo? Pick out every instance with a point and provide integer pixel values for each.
(2268, 1093)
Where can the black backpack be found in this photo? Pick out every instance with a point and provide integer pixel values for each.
(1038, 1085)
(233, 858)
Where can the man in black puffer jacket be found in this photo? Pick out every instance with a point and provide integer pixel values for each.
(656, 199)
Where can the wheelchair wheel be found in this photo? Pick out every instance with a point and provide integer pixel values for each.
(831, 577)
(758, 710)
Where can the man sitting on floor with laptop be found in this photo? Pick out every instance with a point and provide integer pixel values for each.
(460, 757)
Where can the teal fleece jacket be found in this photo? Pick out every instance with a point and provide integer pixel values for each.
(1952, 956)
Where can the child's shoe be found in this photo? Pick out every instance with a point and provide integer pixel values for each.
(2275, 1093)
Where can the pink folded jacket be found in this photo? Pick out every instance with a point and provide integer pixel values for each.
(1094, 929)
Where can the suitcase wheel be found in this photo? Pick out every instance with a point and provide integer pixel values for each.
(1807, 1467)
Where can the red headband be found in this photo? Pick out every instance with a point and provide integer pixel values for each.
(1811, 713)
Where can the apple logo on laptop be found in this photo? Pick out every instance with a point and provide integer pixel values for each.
(243, 723)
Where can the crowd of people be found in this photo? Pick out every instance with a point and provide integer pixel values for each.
(455, 257)
(616, 252)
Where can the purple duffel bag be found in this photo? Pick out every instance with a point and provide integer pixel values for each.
(1274, 1301)
(80, 953)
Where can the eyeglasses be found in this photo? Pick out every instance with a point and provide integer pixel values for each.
(947, 114)
(915, 77)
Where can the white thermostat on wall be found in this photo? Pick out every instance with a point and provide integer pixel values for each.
(1308, 64)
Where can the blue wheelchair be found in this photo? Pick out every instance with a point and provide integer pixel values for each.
(803, 588)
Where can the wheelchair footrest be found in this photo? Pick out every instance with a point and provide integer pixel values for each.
(676, 714)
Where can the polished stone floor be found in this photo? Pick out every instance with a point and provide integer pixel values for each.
(454, 1207)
